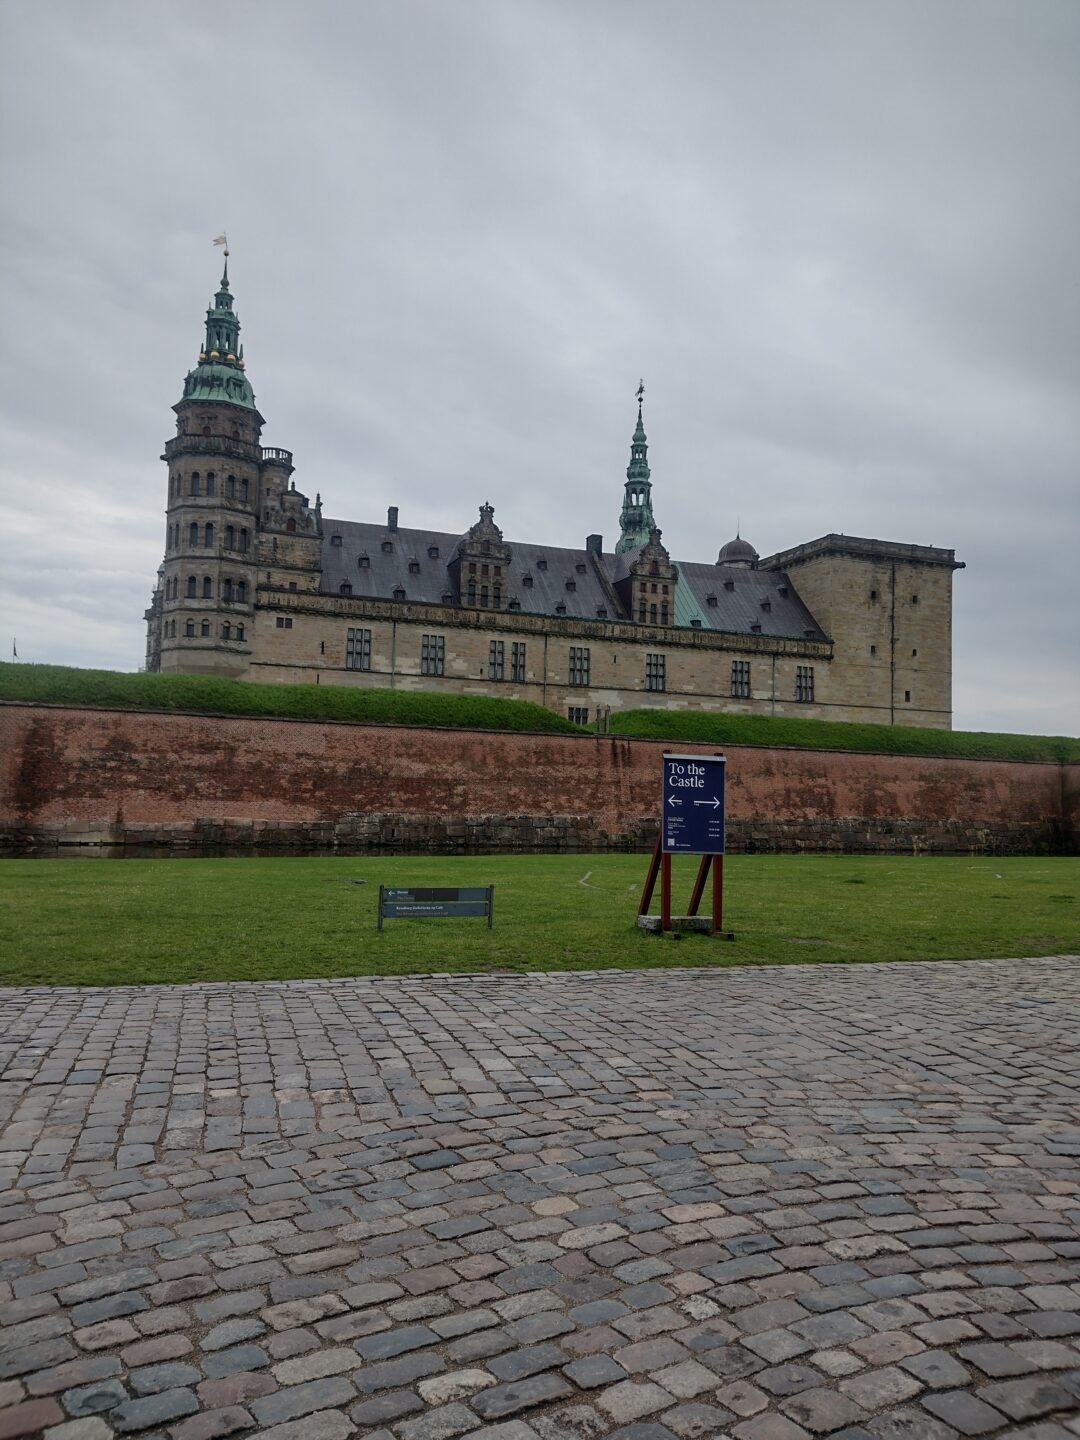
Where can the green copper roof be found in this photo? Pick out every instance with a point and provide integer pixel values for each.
(636, 521)
(219, 375)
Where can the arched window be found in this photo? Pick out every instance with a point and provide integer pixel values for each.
(226, 591)
(189, 627)
(243, 490)
(193, 535)
(210, 482)
(241, 591)
(191, 583)
(205, 627)
(206, 429)
(207, 588)
(243, 539)
(194, 482)
(226, 631)
(230, 487)
(239, 632)
(209, 540)
(230, 538)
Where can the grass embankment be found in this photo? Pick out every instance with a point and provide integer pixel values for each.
(110, 689)
(103, 922)
(715, 728)
(208, 694)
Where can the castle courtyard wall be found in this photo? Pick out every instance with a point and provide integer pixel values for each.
(100, 781)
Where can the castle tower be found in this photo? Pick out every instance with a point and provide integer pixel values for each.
(205, 609)
(636, 522)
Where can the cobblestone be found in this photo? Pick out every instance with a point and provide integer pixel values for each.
(764, 1204)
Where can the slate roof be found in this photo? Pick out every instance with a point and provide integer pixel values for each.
(550, 567)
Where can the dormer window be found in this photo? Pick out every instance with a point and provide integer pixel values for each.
(346, 587)
(541, 563)
(695, 623)
(433, 552)
(766, 605)
(447, 598)
(514, 604)
(783, 591)
(756, 627)
(336, 540)
(414, 567)
(711, 600)
(387, 547)
(527, 581)
(399, 593)
(601, 612)
(560, 608)
(810, 634)
(580, 569)
(571, 584)
(364, 562)
(729, 584)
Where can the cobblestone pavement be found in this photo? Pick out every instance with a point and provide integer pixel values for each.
(754, 1203)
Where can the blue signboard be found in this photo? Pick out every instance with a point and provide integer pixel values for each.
(693, 805)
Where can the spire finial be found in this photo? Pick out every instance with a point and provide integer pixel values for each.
(640, 396)
(223, 239)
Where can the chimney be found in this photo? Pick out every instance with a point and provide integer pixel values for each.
(595, 543)
(391, 518)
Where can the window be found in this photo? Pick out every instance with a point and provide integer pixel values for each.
(346, 587)
(729, 584)
(541, 564)
(399, 593)
(191, 584)
(804, 682)
(230, 487)
(226, 631)
(227, 591)
(652, 614)
(210, 483)
(578, 715)
(205, 628)
(243, 489)
(914, 653)
(292, 584)
(914, 599)
(284, 622)
(358, 650)
(195, 482)
(907, 697)
(363, 562)
(641, 611)
(579, 665)
(290, 526)
(740, 679)
(193, 535)
(207, 588)
(414, 567)
(571, 584)
(496, 660)
(527, 581)
(432, 654)
(517, 662)
(230, 538)
(873, 649)
(239, 632)
(336, 541)
(243, 539)
(241, 592)
(873, 595)
(208, 537)
(387, 547)
(189, 628)
(433, 552)
(663, 612)
(655, 667)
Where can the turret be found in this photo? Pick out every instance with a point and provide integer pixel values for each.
(636, 522)
(205, 615)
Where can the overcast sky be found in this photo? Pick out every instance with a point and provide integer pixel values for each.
(839, 241)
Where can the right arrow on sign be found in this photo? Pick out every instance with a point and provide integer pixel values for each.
(714, 802)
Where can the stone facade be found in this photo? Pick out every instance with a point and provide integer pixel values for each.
(257, 584)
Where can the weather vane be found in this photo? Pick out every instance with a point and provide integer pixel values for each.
(223, 239)
(640, 387)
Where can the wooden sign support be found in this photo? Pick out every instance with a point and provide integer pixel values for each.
(660, 866)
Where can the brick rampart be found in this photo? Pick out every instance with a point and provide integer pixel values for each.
(122, 782)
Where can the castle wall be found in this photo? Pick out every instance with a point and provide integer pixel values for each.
(123, 781)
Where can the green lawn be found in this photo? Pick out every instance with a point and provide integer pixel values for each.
(92, 922)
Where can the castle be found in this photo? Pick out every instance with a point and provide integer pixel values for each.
(258, 584)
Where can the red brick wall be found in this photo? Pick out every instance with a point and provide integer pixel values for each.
(73, 775)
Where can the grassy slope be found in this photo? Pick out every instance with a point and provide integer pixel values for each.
(123, 921)
(62, 685)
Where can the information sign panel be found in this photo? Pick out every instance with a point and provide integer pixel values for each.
(693, 805)
(435, 902)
